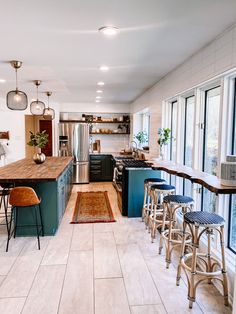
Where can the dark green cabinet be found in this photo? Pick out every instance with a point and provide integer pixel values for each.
(101, 168)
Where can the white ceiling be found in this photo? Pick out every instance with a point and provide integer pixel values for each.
(59, 43)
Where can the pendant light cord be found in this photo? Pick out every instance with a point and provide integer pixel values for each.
(37, 93)
(16, 80)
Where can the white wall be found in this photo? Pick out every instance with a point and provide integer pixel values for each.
(109, 143)
(14, 122)
(214, 59)
(94, 107)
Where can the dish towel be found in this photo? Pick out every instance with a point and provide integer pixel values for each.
(2, 150)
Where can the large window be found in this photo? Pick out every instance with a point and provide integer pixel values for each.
(210, 143)
(188, 140)
(173, 127)
(232, 211)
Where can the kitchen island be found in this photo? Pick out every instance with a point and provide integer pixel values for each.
(52, 182)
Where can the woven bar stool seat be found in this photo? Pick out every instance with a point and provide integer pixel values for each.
(158, 192)
(147, 203)
(172, 236)
(201, 266)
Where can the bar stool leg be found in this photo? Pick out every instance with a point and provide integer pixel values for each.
(153, 228)
(163, 227)
(144, 201)
(224, 272)
(5, 204)
(41, 220)
(9, 233)
(181, 254)
(16, 220)
(171, 221)
(192, 290)
(37, 227)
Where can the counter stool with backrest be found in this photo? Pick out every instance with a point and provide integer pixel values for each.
(158, 192)
(200, 223)
(5, 190)
(21, 197)
(172, 236)
(147, 203)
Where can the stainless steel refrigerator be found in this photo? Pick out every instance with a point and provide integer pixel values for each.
(80, 147)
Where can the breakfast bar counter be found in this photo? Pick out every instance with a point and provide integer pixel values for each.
(211, 182)
(52, 182)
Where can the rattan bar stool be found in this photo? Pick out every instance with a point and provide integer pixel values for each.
(172, 236)
(158, 192)
(4, 204)
(22, 197)
(199, 223)
(147, 203)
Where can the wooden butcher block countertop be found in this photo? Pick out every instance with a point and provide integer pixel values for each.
(26, 170)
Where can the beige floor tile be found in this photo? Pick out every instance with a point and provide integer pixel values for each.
(110, 297)
(1, 279)
(106, 261)
(7, 259)
(58, 248)
(45, 293)
(103, 227)
(11, 305)
(138, 282)
(19, 279)
(82, 238)
(77, 294)
(148, 309)
(174, 298)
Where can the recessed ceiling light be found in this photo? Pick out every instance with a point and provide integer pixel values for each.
(97, 100)
(104, 68)
(109, 30)
(99, 91)
(100, 83)
(98, 97)
(2, 81)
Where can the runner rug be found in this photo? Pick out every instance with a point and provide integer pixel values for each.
(92, 207)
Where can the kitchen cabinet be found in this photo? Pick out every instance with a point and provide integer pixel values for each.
(101, 168)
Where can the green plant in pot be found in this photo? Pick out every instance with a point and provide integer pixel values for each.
(38, 140)
(164, 137)
(142, 137)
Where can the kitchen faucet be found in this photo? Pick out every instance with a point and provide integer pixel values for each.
(135, 150)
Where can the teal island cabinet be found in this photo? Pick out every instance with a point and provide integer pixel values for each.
(133, 189)
(52, 182)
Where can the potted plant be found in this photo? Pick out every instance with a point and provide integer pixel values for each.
(164, 136)
(38, 140)
(142, 137)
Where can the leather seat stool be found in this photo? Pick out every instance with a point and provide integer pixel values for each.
(21, 197)
(172, 236)
(158, 192)
(200, 223)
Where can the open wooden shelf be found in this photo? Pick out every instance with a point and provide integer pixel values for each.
(82, 121)
(118, 133)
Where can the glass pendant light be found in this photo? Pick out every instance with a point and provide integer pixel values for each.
(37, 107)
(48, 113)
(16, 99)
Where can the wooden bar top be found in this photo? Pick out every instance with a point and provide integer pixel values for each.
(26, 170)
(209, 181)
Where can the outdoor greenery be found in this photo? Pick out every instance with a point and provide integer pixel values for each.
(164, 136)
(38, 139)
(142, 137)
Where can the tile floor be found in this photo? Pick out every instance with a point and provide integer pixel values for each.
(94, 268)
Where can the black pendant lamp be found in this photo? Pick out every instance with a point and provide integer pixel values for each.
(16, 99)
(48, 113)
(37, 107)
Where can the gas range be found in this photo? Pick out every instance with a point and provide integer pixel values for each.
(127, 163)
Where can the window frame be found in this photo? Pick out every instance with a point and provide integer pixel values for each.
(233, 151)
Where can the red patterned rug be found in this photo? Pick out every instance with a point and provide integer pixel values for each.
(92, 207)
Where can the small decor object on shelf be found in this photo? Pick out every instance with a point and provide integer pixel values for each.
(164, 136)
(142, 137)
(38, 140)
